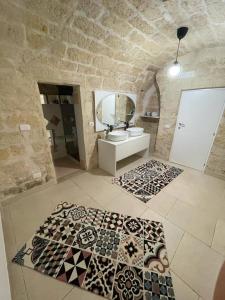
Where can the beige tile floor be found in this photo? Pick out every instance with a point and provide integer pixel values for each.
(192, 209)
(65, 166)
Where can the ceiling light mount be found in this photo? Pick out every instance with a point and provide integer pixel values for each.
(181, 32)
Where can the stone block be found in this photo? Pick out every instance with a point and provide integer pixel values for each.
(67, 65)
(216, 10)
(103, 62)
(141, 25)
(56, 48)
(127, 87)
(77, 55)
(86, 69)
(150, 9)
(4, 154)
(37, 41)
(90, 28)
(111, 84)
(90, 8)
(17, 150)
(117, 43)
(93, 82)
(116, 24)
(13, 120)
(136, 37)
(101, 49)
(10, 11)
(52, 10)
(120, 8)
(35, 22)
(73, 37)
(12, 33)
(9, 138)
(122, 56)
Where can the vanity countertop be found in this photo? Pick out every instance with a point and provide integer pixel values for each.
(133, 138)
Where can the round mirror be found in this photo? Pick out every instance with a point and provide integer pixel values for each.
(115, 109)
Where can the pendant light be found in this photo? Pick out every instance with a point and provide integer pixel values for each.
(174, 70)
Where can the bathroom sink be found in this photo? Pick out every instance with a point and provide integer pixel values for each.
(116, 136)
(135, 131)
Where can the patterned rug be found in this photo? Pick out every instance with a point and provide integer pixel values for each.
(106, 253)
(148, 179)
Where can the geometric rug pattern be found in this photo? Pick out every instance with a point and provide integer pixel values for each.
(148, 179)
(113, 255)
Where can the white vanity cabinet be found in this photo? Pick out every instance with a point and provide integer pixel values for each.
(109, 153)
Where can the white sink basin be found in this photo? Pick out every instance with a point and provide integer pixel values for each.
(135, 131)
(116, 136)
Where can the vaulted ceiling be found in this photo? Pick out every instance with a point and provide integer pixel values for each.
(139, 33)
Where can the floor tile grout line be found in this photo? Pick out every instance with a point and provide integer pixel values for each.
(25, 286)
(89, 195)
(14, 236)
(64, 297)
(177, 248)
(186, 284)
(217, 252)
(211, 247)
(171, 209)
(185, 230)
(214, 232)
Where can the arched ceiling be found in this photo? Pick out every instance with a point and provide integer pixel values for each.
(137, 33)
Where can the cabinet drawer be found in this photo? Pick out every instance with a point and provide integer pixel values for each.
(131, 147)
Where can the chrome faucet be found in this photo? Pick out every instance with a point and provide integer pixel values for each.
(109, 129)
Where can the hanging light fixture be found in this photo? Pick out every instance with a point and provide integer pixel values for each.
(174, 70)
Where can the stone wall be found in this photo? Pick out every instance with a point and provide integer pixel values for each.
(200, 69)
(43, 41)
(96, 44)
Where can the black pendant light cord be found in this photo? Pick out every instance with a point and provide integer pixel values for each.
(178, 47)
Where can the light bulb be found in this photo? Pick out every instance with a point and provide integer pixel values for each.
(174, 70)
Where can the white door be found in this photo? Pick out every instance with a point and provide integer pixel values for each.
(199, 115)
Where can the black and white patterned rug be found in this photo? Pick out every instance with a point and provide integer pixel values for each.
(148, 179)
(112, 255)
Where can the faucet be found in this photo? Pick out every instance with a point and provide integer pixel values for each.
(109, 129)
(126, 125)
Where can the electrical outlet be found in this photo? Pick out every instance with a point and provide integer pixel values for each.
(36, 175)
(25, 127)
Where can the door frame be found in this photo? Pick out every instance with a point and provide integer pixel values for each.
(81, 138)
(219, 120)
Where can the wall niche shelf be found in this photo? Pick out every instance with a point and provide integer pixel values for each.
(150, 118)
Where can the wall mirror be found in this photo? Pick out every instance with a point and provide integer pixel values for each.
(113, 108)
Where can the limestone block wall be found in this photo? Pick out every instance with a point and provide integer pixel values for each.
(201, 69)
(96, 44)
(43, 41)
